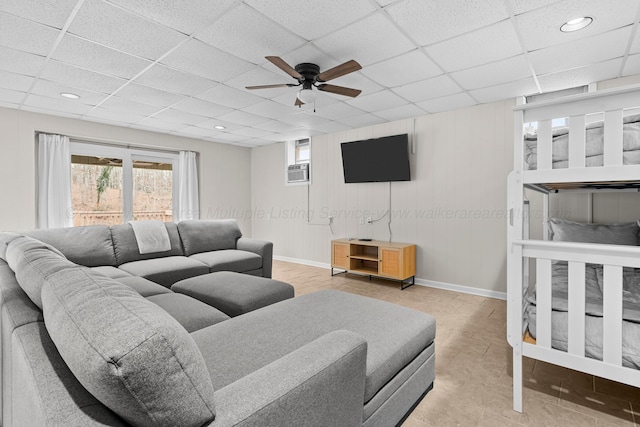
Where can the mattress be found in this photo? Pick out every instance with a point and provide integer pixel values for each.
(594, 145)
(593, 310)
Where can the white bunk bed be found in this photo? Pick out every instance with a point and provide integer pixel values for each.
(569, 168)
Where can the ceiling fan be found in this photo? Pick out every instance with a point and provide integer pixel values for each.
(309, 76)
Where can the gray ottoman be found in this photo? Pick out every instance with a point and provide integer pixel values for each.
(234, 293)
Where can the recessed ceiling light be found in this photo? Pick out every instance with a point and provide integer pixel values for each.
(70, 95)
(219, 127)
(576, 24)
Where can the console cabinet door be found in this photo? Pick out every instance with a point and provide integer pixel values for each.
(340, 255)
(390, 263)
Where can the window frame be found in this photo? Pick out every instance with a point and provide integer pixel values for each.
(128, 155)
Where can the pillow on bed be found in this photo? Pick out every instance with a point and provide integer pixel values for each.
(613, 234)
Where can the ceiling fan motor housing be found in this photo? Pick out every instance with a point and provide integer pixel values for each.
(309, 72)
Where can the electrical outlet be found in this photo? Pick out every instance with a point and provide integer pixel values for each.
(368, 220)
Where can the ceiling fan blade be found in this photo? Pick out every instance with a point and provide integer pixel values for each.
(340, 70)
(270, 86)
(298, 102)
(340, 90)
(279, 62)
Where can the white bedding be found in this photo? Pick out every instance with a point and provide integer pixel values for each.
(593, 318)
(594, 145)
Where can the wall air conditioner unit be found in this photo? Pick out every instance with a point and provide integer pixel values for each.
(298, 173)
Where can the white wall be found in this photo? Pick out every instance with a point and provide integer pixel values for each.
(453, 208)
(225, 173)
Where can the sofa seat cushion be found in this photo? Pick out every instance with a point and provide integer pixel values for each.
(189, 312)
(229, 260)
(125, 350)
(144, 287)
(395, 335)
(110, 271)
(167, 270)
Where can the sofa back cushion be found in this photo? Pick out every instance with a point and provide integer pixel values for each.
(89, 245)
(126, 351)
(126, 245)
(32, 261)
(208, 235)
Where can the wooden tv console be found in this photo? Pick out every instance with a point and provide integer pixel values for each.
(388, 260)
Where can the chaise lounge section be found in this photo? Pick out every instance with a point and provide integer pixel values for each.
(82, 348)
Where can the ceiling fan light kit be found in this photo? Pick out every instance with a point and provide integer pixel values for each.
(309, 76)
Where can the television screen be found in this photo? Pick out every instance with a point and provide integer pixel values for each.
(376, 160)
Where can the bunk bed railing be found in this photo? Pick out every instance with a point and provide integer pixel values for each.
(613, 258)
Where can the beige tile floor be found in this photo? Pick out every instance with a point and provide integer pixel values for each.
(473, 362)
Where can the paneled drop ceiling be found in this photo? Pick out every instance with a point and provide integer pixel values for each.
(181, 67)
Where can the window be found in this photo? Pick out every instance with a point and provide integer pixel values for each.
(298, 152)
(113, 185)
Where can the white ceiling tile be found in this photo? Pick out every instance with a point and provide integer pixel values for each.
(114, 27)
(378, 101)
(339, 110)
(155, 123)
(367, 41)
(521, 6)
(635, 45)
(180, 117)
(274, 126)
(579, 76)
(8, 104)
(541, 28)
(305, 53)
(505, 91)
(252, 132)
(57, 104)
(320, 17)
(195, 131)
(103, 115)
(447, 103)
(632, 66)
(212, 123)
(12, 96)
(303, 119)
(428, 89)
(19, 62)
(242, 118)
(428, 22)
(15, 81)
(22, 34)
(187, 17)
(122, 105)
(385, 2)
(580, 52)
(149, 95)
(200, 107)
(230, 97)
(166, 78)
(53, 90)
(95, 57)
(401, 70)
(486, 45)
(52, 112)
(510, 69)
(206, 61)
(401, 112)
(362, 121)
(241, 32)
(226, 136)
(53, 13)
(331, 127)
(78, 77)
(270, 109)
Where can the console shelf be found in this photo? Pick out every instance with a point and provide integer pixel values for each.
(388, 260)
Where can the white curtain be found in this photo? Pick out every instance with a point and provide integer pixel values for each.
(54, 182)
(187, 206)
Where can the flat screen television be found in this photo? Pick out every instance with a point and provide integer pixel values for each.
(376, 160)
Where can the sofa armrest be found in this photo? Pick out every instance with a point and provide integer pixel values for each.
(260, 247)
(319, 384)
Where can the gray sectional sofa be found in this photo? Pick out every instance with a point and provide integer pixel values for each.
(82, 346)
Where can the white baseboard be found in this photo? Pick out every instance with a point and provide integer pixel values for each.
(422, 282)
